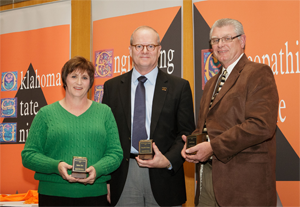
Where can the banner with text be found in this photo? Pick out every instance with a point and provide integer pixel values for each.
(112, 31)
(32, 54)
(272, 39)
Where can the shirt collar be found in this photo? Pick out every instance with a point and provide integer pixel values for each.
(151, 76)
(230, 67)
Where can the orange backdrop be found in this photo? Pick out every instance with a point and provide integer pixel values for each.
(114, 34)
(47, 49)
(272, 37)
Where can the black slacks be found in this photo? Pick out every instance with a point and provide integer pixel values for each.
(45, 200)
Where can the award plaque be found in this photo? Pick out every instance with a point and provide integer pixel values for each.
(194, 139)
(79, 167)
(145, 149)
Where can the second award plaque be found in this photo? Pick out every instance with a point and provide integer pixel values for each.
(79, 167)
(194, 139)
(145, 149)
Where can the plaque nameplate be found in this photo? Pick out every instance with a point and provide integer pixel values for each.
(145, 149)
(79, 167)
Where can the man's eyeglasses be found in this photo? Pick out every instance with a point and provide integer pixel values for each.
(140, 47)
(226, 39)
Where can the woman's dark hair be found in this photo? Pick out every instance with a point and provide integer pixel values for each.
(78, 63)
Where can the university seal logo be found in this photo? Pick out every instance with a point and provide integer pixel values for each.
(104, 63)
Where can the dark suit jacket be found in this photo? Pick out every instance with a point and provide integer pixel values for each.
(172, 116)
(241, 125)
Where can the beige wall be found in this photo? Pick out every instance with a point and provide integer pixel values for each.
(81, 24)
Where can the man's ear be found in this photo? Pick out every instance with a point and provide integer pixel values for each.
(243, 41)
(130, 50)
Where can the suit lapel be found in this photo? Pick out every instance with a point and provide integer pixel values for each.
(160, 93)
(125, 95)
(234, 75)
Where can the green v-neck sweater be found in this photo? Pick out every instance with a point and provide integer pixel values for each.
(56, 136)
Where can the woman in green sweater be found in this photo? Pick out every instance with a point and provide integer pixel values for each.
(73, 126)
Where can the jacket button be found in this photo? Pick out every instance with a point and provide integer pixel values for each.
(127, 159)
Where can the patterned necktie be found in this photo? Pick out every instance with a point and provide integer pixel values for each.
(139, 116)
(216, 92)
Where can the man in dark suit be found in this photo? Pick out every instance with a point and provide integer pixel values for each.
(238, 159)
(169, 115)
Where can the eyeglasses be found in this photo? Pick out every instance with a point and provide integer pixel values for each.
(140, 47)
(226, 39)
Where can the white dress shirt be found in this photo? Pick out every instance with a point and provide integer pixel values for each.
(149, 93)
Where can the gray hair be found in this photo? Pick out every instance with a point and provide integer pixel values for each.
(238, 27)
(145, 27)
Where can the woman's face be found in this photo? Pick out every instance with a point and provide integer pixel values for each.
(78, 83)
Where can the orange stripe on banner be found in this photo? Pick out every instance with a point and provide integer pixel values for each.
(289, 192)
(14, 177)
(107, 31)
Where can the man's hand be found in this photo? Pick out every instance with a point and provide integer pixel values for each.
(91, 178)
(158, 161)
(183, 154)
(203, 152)
(63, 170)
(108, 193)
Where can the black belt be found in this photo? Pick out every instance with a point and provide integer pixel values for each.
(133, 156)
(209, 161)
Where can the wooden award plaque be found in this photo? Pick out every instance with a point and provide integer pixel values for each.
(145, 149)
(194, 139)
(79, 167)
